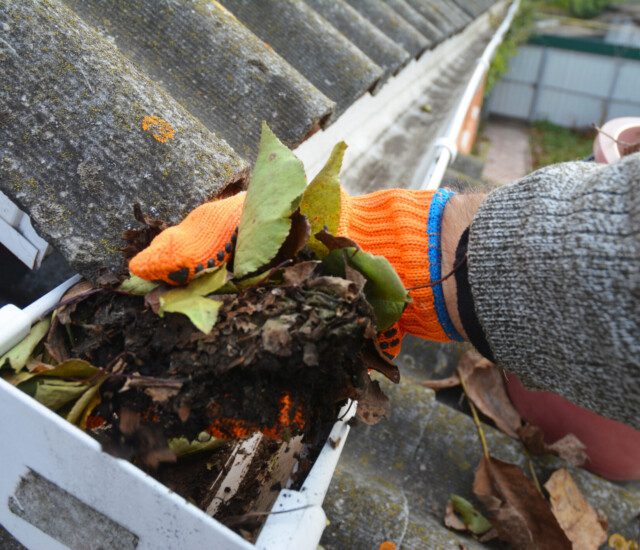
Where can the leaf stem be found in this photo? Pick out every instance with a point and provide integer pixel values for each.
(532, 470)
(476, 419)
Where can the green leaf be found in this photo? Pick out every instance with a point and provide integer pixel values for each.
(274, 192)
(19, 378)
(320, 202)
(384, 289)
(72, 368)
(256, 279)
(77, 411)
(182, 446)
(18, 356)
(190, 300)
(54, 394)
(136, 285)
(474, 520)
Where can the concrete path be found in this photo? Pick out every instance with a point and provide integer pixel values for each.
(509, 154)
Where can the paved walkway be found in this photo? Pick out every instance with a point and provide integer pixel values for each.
(509, 154)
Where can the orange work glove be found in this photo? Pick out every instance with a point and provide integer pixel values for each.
(205, 238)
(404, 226)
(401, 224)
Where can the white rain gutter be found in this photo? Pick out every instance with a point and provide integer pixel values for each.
(15, 323)
(446, 146)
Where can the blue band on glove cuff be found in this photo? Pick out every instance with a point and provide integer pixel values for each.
(434, 228)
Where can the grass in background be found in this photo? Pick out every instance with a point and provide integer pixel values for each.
(585, 9)
(551, 144)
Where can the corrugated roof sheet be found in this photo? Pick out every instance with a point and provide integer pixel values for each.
(421, 23)
(75, 153)
(214, 66)
(107, 103)
(306, 40)
(372, 41)
(393, 25)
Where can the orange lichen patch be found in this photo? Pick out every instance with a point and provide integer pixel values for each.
(233, 428)
(387, 545)
(158, 127)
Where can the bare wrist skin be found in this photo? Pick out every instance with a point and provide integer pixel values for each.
(457, 216)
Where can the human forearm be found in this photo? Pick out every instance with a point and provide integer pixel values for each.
(554, 270)
(458, 215)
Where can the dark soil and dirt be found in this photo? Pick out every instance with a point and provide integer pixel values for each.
(282, 359)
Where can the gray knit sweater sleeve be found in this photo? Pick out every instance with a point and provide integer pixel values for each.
(554, 269)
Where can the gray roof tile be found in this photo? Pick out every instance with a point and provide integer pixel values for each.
(79, 77)
(75, 153)
(433, 11)
(426, 27)
(393, 25)
(214, 66)
(359, 30)
(395, 478)
(307, 41)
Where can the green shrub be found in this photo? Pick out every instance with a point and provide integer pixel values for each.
(517, 34)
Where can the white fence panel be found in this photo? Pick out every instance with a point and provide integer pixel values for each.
(524, 67)
(628, 84)
(562, 108)
(511, 99)
(569, 88)
(579, 72)
(620, 109)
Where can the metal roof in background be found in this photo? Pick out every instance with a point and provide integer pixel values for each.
(104, 104)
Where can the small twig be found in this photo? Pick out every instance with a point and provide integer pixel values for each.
(151, 382)
(443, 279)
(234, 520)
(618, 141)
(476, 419)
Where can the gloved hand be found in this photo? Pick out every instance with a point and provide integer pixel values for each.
(402, 225)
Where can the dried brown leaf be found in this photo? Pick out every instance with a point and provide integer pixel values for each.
(442, 383)
(73, 295)
(276, 337)
(298, 273)
(569, 448)
(347, 290)
(55, 343)
(518, 512)
(355, 276)
(162, 394)
(373, 404)
(575, 515)
(485, 387)
(152, 299)
(451, 520)
(373, 359)
(295, 241)
(332, 242)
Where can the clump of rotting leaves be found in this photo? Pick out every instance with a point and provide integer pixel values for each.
(276, 341)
